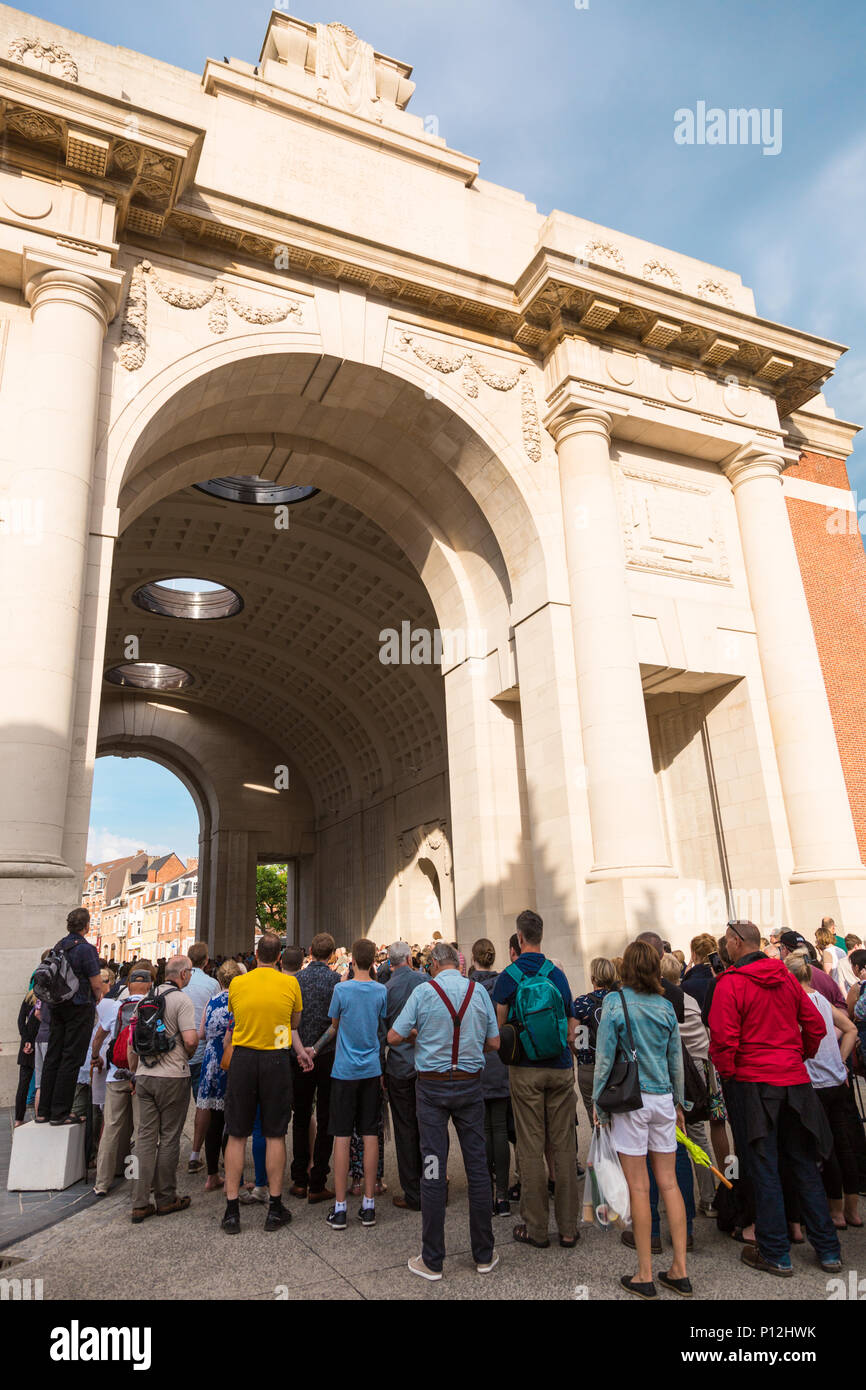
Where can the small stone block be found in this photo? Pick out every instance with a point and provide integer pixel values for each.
(46, 1158)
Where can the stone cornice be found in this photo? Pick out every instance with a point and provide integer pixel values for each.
(559, 296)
(810, 432)
(143, 159)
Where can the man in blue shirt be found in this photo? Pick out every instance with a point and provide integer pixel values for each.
(71, 1024)
(542, 1097)
(358, 1016)
(453, 1022)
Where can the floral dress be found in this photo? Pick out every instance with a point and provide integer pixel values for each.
(212, 1086)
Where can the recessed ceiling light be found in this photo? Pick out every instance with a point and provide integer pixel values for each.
(195, 599)
(175, 709)
(253, 787)
(149, 675)
(252, 490)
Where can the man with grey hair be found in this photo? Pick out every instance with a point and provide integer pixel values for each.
(162, 1093)
(400, 1078)
(454, 1025)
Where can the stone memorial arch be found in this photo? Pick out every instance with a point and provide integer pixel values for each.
(500, 569)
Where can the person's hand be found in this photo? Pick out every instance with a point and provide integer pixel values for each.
(306, 1058)
(681, 1122)
(28, 1047)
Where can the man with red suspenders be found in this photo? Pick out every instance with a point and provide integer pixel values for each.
(453, 1025)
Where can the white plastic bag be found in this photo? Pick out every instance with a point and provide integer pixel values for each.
(606, 1198)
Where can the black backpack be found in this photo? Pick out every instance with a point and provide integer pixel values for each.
(55, 982)
(150, 1038)
(695, 1087)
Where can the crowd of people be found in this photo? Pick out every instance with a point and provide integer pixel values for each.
(749, 1050)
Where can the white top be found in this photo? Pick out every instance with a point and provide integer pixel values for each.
(106, 1013)
(826, 1068)
(693, 1032)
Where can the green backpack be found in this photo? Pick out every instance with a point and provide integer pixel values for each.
(539, 1013)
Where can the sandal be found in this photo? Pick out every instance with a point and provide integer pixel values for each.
(180, 1204)
(647, 1291)
(522, 1236)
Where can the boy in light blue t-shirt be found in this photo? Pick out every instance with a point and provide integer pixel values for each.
(358, 1017)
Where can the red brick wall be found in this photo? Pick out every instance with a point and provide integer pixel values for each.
(833, 566)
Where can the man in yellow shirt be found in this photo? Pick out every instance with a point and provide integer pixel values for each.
(266, 1008)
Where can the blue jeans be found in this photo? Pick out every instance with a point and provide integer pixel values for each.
(762, 1159)
(686, 1184)
(437, 1102)
(259, 1150)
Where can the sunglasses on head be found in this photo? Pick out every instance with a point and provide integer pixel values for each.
(735, 928)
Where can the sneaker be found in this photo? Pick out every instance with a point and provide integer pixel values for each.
(195, 1165)
(247, 1196)
(367, 1216)
(337, 1219)
(502, 1207)
(277, 1217)
(417, 1266)
(491, 1264)
(514, 1193)
(231, 1223)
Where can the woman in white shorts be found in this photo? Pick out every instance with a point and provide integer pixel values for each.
(650, 1130)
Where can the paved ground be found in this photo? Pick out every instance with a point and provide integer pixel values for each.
(25, 1213)
(90, 1256)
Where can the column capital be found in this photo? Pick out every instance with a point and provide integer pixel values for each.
(753, 460)
(53, 280)
(573, 419)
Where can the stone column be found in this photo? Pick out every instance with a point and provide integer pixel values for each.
(813, 785)
(43, 550)
(43, 566)
(627, 832)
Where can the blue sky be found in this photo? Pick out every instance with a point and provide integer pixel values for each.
(139, 805)
(575, 109)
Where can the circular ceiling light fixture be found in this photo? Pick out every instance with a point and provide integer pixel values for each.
(149, 675)
(197, 599)
(251, 490)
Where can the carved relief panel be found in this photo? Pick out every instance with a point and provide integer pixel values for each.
(672, 525)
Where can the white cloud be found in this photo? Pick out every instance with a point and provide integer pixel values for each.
(103, 844)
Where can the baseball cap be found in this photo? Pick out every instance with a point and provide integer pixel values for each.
(792, 940)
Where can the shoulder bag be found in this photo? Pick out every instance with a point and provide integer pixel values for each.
(622, 1088)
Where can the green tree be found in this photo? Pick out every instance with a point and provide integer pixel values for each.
(271, 886)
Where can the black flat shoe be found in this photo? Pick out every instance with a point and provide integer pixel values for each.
(681, 1286)
(231, 1223)
(646, 1291)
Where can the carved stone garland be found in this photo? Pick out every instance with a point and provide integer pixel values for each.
(133, 335)
(52, 51)
(475, 371)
